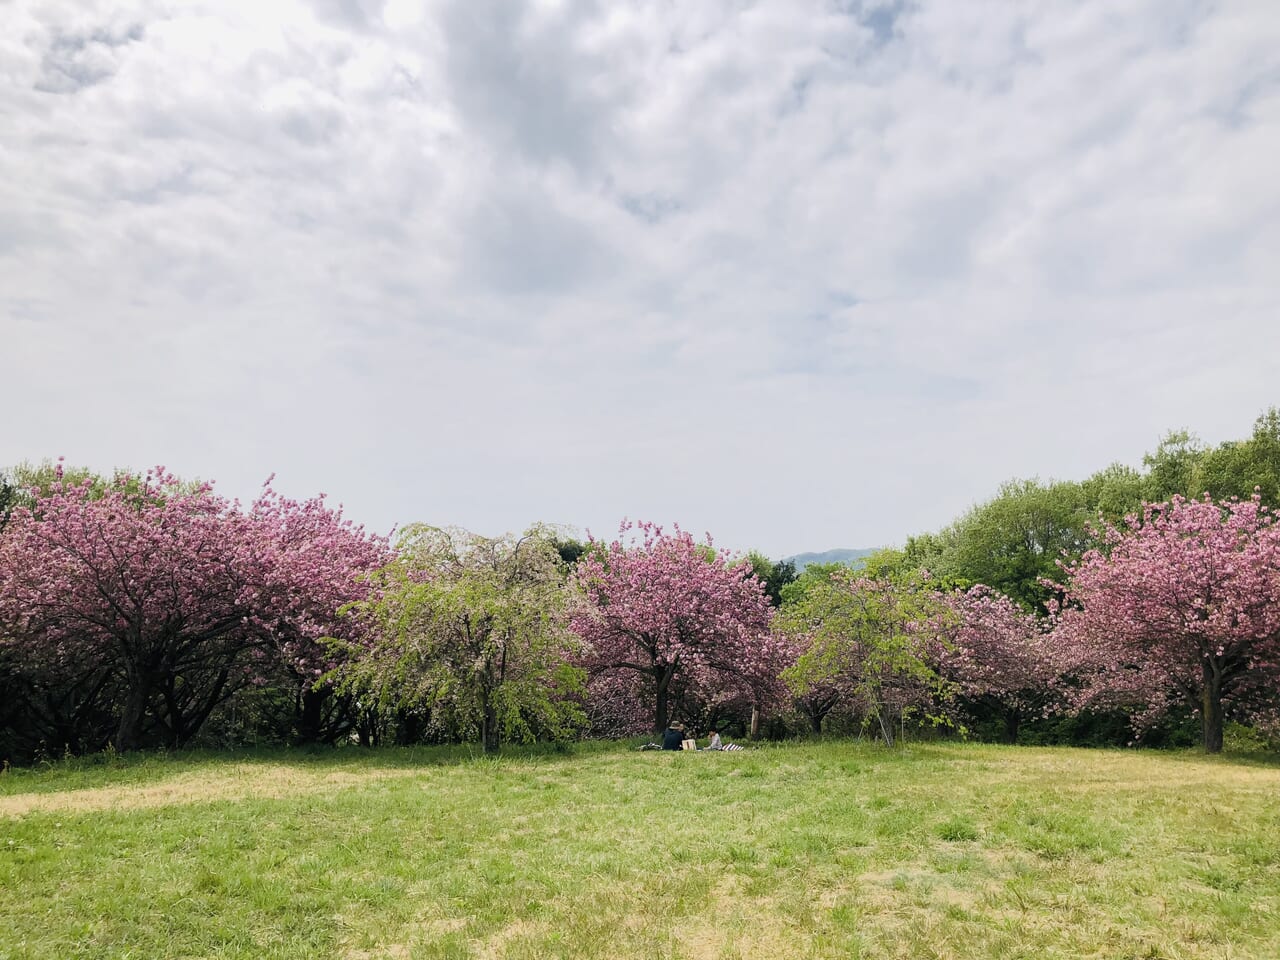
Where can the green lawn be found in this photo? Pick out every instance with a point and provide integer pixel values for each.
(822, 850)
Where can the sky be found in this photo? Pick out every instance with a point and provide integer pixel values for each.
(799, 274)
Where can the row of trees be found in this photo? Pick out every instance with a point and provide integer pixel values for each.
(1175, 609)
(143, 611)
(1014, 542)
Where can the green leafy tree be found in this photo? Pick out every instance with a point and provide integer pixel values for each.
(887, 563)
(1237, 468)
(472, 629)
(1173, 469)
(927, 551)
(1013, 542)
(1115, 492)
(812, 577)
(570, 549)
(877, 637)
(774, 574)
(910, 565)
(42, 476)
(8, 499)
(31, 481)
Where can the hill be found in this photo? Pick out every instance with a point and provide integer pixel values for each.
(840, 555)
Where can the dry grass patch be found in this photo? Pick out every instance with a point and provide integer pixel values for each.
(234, 782)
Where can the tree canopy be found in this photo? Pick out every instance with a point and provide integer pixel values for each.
(1178, 605)
(876, 640)
(473, 631)
(667, 615)
(167, 598)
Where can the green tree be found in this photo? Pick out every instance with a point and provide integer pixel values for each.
(1015, 541)
(473, 629)
(927, 551)
(1236, 468)
(27, 476)
(1174, 467)
(8, 499)
(810, 578)
(888, 563)
(1115, 492)
(569, 548)
(913, 564)
(774, 574)
(877, 637)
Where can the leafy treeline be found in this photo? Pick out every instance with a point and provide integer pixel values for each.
(1014, 542)
(1037, 543)
(139, 610)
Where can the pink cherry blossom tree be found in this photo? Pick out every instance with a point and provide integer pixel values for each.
(1181, 604)
(179, 597)
(320, 563)
(998, 658)
(667, 615)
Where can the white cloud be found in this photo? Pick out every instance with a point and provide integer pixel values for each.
(801, 273)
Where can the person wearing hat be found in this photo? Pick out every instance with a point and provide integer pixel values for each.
(674, 736)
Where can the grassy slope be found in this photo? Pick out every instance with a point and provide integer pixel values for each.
(826, 850)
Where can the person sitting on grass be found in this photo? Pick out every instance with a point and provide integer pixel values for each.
(717, 744)
(674, 737)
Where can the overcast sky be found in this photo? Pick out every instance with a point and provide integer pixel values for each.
(800, 274)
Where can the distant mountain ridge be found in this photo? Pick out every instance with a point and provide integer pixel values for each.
(844, 555)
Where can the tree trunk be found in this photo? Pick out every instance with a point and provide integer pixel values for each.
(815, 721)
(1211, 709)
(129, 733)
(366, 729)
(1012, 721)
(755, 721)
(660, 717)
(312, 715)
(661, 713)
(490, 738)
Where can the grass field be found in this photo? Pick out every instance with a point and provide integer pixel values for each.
(820, 850)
